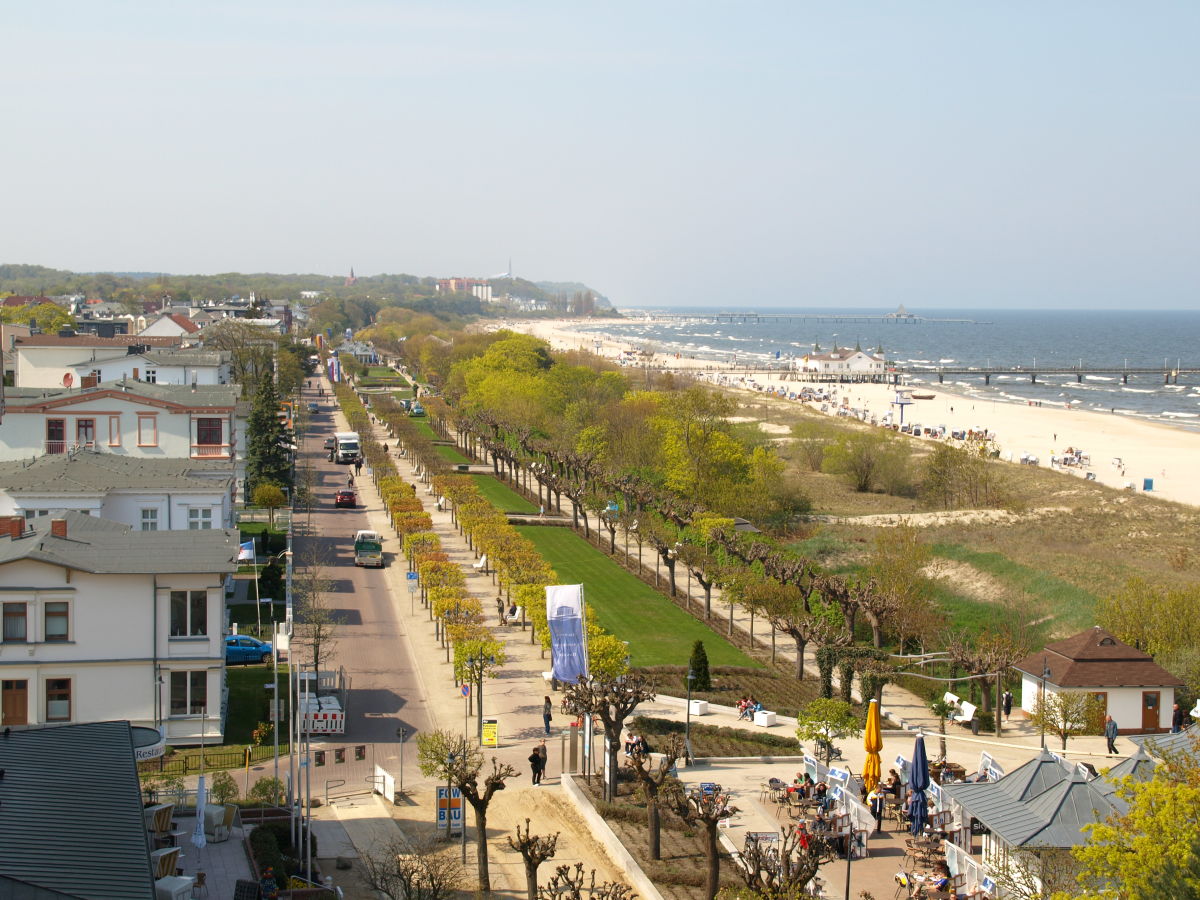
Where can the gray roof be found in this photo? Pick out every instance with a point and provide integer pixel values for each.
(1160, 745)
(188, 357)
(1066, 808)
(1140, 767)
(1032, 778)
(71, 813)
(89, 471)
(207, 395)
(98, 545)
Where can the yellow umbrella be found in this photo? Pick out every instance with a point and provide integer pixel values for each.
(873, 742)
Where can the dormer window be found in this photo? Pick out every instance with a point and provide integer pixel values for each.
(1108, 642)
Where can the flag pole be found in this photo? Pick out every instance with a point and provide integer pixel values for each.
(257, 601)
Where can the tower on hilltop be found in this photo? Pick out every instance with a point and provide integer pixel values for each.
(350, 279)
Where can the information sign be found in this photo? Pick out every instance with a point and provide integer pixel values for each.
(491, 733)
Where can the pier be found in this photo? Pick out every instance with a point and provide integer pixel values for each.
(862, 318)
(1168, 374)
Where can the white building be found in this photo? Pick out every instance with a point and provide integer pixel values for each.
(104, 622)
(843, 362)
(38, 366)
(1136, 691)
(146, 494)
(52, 360)
(129, 418)
(170, 325)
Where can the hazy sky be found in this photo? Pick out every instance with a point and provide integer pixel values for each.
(1022, 154)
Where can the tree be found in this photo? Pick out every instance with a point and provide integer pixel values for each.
(1068, 713)
(224, 788)
(811, 438)
(706, 809)
(399, 870)
(267, 791)
(454, 760)
(651, 776)
(698, 667)
(782, 871)
(267, 457)
(823, 721)
(613, 701)
(49, 317)
(535, 849)
(570, 884)
(316, 623)
(270, 497)
(858, 457)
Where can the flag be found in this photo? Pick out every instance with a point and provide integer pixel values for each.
(246, 550)
(564, 615)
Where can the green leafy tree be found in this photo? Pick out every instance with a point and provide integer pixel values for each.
(267, 791)
(1068, 713)
(267, 459)
(224, 788)
(698, 667)
(49, 317)
(866, 459)
(824, 721)
(270, 497)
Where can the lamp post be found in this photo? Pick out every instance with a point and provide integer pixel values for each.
(687, 728)
(1042, 698)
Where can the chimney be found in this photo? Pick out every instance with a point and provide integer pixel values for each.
(14, 527)
(58, 527)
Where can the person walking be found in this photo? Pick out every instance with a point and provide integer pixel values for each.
(547, 708)
(535, 766)
(875, 801)
(543, 758)
(1007, 705)
(1110, 733)
(1176, 719)
(358, 466)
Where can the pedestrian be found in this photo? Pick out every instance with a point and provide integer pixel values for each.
(1007, 705)
(1056, 437)
(358, 466)
(385, 449)
(541, 509)
(1176, 719)
(546, 709)
(535, 766)
(875, 802)
(1110, 733)
(543, 758)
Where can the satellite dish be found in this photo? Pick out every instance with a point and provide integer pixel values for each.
(68, 379)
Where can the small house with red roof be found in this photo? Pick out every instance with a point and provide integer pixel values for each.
(1136, 691)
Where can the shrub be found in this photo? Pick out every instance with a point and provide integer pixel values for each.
(267, 791)
(224, 789)
(698, 666)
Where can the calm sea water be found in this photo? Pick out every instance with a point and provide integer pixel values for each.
(1010, 338)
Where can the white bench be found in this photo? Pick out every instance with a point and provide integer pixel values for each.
(480, 565)
(765, 718)
(515, 618)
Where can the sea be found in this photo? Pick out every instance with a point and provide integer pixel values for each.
(1008, 339)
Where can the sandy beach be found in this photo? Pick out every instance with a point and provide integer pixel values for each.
(1122, 450)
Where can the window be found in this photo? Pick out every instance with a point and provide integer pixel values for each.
(58, 621)
(189, 613)
(208, 432)
(199, 519)
(56, 435)
(30, 513)
(114, 431)
(95, 373)
(149, 519)
(15, 631)
(189, 693)
(85, 432)
(152, 376)
(147, 430)
(58, 699)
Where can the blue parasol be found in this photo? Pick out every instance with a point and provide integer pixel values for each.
(918, 781)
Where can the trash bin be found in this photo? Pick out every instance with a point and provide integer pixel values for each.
(975, 726)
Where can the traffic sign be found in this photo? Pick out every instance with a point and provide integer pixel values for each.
(412, 576)
(465, 690)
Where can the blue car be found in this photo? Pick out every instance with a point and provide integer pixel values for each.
(241, 648)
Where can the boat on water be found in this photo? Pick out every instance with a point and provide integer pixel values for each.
(917, 396)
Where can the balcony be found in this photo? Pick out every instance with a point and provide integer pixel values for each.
(56, 446)
(212, 451)
(64, 446)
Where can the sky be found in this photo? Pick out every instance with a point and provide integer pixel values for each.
(937, 154)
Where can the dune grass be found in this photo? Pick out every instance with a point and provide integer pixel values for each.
(658, 632)
(501, 495)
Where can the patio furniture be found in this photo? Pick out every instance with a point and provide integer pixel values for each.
(764, 718)
(200, 884)
(158, 821)
(172, 887)
(164, 861)
(218, 822)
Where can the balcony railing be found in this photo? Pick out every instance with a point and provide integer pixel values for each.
(56, 446)
(211, 451)
(64, 446)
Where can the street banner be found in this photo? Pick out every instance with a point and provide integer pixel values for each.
(564, 614)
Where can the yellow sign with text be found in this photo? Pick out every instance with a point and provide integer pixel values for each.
(491, 733)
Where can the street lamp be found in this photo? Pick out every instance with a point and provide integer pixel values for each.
(1042, 698)
(687, 728)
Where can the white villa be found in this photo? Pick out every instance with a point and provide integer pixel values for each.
(145, 494)
(842, 362)
(104, 622)
(46, 361)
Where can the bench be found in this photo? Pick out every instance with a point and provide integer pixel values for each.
(515, 618)
(480, 565)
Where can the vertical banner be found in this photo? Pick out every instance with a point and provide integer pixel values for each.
(564, 614)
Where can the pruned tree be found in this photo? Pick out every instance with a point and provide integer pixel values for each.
(705, 809)
(825, 720)
(651, 777)
(535, 849)
(570, 883)
(454, 760)
(316, 622)
(783, 870)
(399, 870)
(613, 701)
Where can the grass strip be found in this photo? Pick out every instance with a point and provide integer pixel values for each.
(501, 496)
(451, 455)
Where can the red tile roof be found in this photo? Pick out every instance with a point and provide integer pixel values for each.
(184, 322)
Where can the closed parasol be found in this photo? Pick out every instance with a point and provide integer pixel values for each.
(873, 742)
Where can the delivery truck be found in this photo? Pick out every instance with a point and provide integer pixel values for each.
(346, 447)
(368, 549)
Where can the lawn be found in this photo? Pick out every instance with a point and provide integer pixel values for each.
(422, 426)
(658, 632)
(451, 455)
(248, 698)
(502, 496)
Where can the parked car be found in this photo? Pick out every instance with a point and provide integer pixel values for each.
(241, 648)
(330, 442)
(314, 407)
(345, 498)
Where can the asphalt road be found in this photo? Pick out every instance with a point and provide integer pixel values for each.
(371, 642)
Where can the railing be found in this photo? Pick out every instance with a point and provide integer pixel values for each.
(211, 451)
(56, 446)
(215, 759)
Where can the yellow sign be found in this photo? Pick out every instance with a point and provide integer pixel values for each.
(491, 733)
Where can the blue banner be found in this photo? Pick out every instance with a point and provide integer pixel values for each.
(564, 614)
